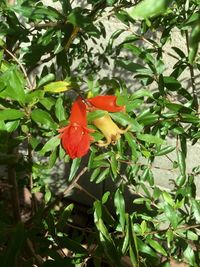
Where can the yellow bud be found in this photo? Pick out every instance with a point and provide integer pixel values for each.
(109, 129)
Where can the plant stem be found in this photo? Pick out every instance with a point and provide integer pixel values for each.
(65, 192)
(14, 193)
(21, 66)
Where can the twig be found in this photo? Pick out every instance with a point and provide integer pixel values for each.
(14, 193)
(37, 257)
(47, 25)
(65, 192)
(33, 198)
(72, 37)
(129, 162)
(82, 229)
(21, 66)
(85, 191)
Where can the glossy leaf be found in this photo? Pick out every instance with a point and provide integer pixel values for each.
(11, 114)
(150, 139)
(74, 168)
(43, 118)
(125, 119)
(120, 207)
(58, 87)
(158, 247)
(148, 8)
(50, 144)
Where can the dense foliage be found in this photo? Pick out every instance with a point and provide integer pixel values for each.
(106, 208)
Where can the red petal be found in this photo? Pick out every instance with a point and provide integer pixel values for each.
(84, 145)
(106, 102)
(78, 113)
(75, 140)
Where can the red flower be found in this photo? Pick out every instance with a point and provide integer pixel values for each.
(106, 102)
(75, 137)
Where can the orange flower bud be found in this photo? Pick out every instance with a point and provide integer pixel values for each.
(106, 102)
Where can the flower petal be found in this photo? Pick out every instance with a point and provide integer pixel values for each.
(83, 146)
(78, 113)
(106, 102)
(75, 140)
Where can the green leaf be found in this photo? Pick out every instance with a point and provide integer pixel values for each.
(105, 197)
(64, 216)
(102, 176)
(95, 115)
(50, 145)
(147, 117)
(107, 243)
(196, 209)
(134, 104)
(164, 150)
(74, 168)
(72, 245)
(97, 210)
(171, 83)
(11, 114)
(106, 155)
(189, 118)
(120, 207)
(114, 165)
(171, 215)
(48, 102)
(190, 256)
(11, 126)
(155, 245)
(132, 143)
(124, 119)
(59, 110)
(58, 87)
(148, 8)
(168, 198)
(47, 196)
(133, 67)
(95, 174)
(13, 83)
(149, 138)
(194, 41)
(181, 162)
(144, 248)
(46, 79)
(42, 117)
(52, 159)
(141, 93)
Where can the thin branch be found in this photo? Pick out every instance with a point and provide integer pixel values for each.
(33, 198)
(72, 37)
(85, 191)
(129, 162)
(82, 229)
(12, 179)
(47, 25)
(21, 66)
(39, 260)
(65, 192)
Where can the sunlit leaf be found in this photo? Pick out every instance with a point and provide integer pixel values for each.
(148, 8)
(58, 87)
